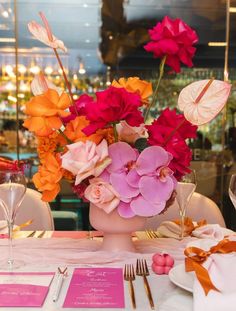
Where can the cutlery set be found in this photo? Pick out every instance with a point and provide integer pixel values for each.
(129, 275)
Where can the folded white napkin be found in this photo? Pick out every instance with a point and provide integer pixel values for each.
(213, 231)
(222, 272)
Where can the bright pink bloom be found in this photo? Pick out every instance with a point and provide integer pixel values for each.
(174, 39)
(159, 135)
(113, 105)
(170, 119)
(80, 107)
(144, 181)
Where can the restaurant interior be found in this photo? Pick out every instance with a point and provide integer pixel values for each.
(105, 41)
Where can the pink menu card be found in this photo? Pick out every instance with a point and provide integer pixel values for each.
(96, 288)
(24, 289)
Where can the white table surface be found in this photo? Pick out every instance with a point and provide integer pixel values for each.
(49, 253)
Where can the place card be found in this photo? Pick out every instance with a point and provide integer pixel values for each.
(24, 289)
(96, 288)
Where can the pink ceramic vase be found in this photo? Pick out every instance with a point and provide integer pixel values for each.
(117, 230)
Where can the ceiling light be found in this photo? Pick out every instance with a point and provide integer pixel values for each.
(232, 9)
(8, 69)
(86, 24)
(5, 14)
(12, 98)
(75, 77)
(88, 54)
(216, 43)
(7, 40)
(35, 70)
(22, 69)
(48, 70)
(85, 5)
(82, 69)
(10, 86)
(87, 40)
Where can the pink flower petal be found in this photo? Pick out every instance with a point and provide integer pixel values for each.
(120, 184)
(124, 210)
(154, 190)
(150, 159)
(209, 105)
(121, 154)
(133, 178)
(141, 207)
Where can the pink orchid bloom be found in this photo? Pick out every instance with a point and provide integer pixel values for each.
(143, 181)
(45, 35)
(203, 100)
(40, 85)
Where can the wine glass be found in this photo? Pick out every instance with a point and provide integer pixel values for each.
(232, 189)
(12, 191)
(184, 190)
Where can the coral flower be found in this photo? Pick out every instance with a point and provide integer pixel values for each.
(135, 85)
(74, 131)
(45, 111)
(48, 177)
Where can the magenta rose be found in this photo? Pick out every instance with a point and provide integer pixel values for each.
(173, 39)
(169, 118)
(78, 108)
(161, 135)
(113, 105)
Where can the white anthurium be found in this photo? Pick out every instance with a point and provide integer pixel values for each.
(45, 35)
(203, 100)
(40, 85)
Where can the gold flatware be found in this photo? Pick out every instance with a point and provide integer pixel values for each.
(31, 235)
(130, 277)
(142, 270)
(41, 234)
(151, 234)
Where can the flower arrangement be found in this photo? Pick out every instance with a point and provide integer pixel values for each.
(94, 142)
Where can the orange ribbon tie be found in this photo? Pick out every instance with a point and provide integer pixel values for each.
(196, 257)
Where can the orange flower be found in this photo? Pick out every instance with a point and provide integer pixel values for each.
(47, 145)
(48, 177)
(45, 111)
(135, 85)
(74, 131)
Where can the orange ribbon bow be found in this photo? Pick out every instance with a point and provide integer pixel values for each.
(189, 226)
(197, 256)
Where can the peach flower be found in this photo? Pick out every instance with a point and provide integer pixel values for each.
(84, 159)
(74, 132)
(129, 133)
(135, 85)
(102, 194)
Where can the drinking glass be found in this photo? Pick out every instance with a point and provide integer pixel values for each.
(12, 191)
(184, 190)
(232, 189)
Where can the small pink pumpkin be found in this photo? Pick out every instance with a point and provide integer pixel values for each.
(162, 263)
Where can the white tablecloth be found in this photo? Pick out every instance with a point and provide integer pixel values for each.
(48, 254)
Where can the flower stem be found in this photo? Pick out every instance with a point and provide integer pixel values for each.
(161, 72)
(65, 78)
(115, 132)
(66, 138)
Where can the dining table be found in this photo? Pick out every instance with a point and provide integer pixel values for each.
(46, 251)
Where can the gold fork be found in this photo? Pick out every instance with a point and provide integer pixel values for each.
(31, 234)
(142, 270)
(130, 277)
(41, 234)
(151, 234)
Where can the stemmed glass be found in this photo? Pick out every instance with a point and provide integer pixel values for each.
(12, 191)
(232, 189)
(185, 188)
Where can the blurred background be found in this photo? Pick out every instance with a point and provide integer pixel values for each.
(105, 41)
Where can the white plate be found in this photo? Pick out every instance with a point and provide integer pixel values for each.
(181, 278)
